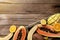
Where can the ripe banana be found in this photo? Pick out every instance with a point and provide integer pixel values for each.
(7, 37)
(32, 31)
(12, 30)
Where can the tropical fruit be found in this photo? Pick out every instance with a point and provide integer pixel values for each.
(54, 18)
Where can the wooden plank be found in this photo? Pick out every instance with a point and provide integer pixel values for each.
(31, 1)
(4, 30)
(22, 16)
(25, 19)
(26, 8)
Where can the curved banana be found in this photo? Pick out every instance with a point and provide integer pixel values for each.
(29, 37)
(18, 36)
(10, 34)
(7, 37)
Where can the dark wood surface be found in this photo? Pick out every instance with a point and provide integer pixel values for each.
(25, 12)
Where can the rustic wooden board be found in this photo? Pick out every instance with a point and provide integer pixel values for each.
(27, 8)
(24, 12)
(31, 1)
(25, 19)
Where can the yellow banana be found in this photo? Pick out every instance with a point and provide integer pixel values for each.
(32, 31)
(7, 37)
(12, 30)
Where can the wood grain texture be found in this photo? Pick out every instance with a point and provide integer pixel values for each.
(26, 8)
(31, 1)
(24, 12)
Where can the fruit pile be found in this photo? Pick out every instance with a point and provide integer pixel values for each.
(45, 29)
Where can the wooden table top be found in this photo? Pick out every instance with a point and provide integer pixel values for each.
(25, 12)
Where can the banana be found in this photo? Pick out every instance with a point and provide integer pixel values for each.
(32, 31)
(7, 37)
(12, 30)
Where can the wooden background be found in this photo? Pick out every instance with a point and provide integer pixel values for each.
(24, 12)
